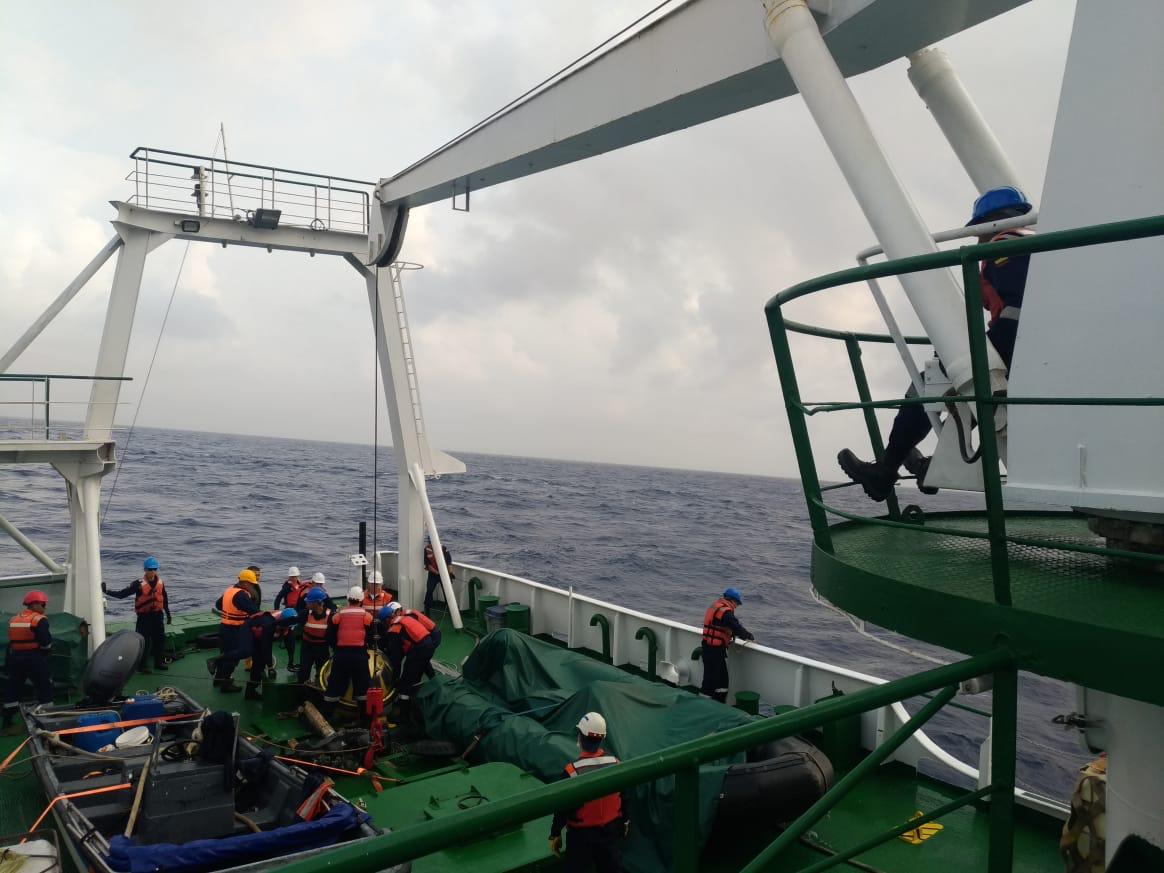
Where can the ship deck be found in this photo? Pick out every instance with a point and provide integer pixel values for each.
(1075, 616)
(416, 789)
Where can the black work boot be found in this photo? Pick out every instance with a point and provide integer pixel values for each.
(228, 686)
(873, 476)
(918, 464)
(253, 692)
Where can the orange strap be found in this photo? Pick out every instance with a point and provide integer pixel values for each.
(358, 772)
(15, 752)
(104, 790)
(90, 728)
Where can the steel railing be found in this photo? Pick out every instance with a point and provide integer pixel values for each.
(214, 187)
(45, 402)
(984, 401)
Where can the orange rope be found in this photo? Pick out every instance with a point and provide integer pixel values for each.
(360, 772)
(90, 728)
(104, 790)
(15, 752)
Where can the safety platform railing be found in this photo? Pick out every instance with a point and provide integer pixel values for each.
(983, 400)
(41, 403)
(215, 187)
(681, 762)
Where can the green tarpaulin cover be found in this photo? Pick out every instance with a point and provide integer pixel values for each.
(524, 698)
(69, 654)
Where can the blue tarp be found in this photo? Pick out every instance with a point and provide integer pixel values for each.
(126, 857)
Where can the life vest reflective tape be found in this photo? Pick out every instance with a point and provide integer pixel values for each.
(315, 627)
(353, 623)
(408, 627)
(602, 810)
(22, 631)
(715, 632)
(371, 603)
(232, 616)
(150, 598)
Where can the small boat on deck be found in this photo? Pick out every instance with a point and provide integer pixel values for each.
(159, 783)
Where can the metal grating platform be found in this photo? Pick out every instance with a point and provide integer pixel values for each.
(1075, 616)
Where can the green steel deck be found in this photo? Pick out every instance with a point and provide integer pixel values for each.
(1080, 617)
(417, 790)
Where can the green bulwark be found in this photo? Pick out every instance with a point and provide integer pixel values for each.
(523, 698)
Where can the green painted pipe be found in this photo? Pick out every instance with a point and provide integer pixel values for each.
(696, 654)
(487, 820)
(600, 620)
(475, 585)
(645, 633)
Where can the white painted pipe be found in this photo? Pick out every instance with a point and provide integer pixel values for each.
(934, 294)
(57, 305)
(978, 149)
(29, 546)
(437, 551)
(91, 505)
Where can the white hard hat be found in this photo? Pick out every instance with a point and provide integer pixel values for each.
(377, 578)
(292, 571)
(592, 725)
(319, 579)
(355, 593)
(394, 606)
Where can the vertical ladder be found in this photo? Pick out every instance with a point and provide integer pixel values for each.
(395, 270)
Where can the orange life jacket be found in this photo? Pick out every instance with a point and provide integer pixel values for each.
(232, 616)
(602, 810)
(294, 591)
(429, 624)
(714, 633)
(315, 628)
(992, 301)
(22, 631)
(149, 598)
(353, 624)
(372, 604)
(411, 629)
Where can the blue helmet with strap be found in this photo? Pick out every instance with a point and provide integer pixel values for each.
(1012, 200)
(315, 595)
(289, 612)
(733, 594)
(150, 563)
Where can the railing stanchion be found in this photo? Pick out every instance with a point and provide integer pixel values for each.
(986, 411)
(854, 349)
(46, 407)
(1004, 749)
(686, 858)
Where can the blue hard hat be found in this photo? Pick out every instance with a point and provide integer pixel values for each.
(289, 612)
(151, 563)
(383, 613)
(315, 595)
(732, 594)
(1011, 199)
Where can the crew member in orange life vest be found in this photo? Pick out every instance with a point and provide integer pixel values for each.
(375, 598)
(150, 601)
(434, 573)
(316, 622)
(349, 629)
(720, 627)
(291, 594)
(29, 643)
(595, 828)
(265, 628)
(1004, 280)
(410, 643)
(237, 604)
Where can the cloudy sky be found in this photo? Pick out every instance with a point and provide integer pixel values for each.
(609, 310)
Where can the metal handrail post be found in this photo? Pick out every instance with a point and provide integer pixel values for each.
(797, 423)
(987, 437)
(850, 781)
(686, 848)
(854, 349)
(1004, 750)
(46, 407)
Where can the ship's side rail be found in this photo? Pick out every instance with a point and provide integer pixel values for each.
(781, 679)
(681, 763)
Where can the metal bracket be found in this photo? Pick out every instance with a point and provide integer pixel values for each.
(457, 208)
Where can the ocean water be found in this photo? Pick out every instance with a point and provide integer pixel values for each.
(662, 541)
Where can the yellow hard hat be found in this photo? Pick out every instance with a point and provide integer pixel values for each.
(248, 576)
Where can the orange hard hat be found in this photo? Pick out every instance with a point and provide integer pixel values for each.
(35, 597)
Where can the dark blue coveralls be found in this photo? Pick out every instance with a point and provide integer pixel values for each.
(150, 625)
(715, 669)
(32, 666)
(236, 643)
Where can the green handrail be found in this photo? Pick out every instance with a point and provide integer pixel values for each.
(600, 620)
(966, 259)
(645, 633)
(475, 585)
(415, 841)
